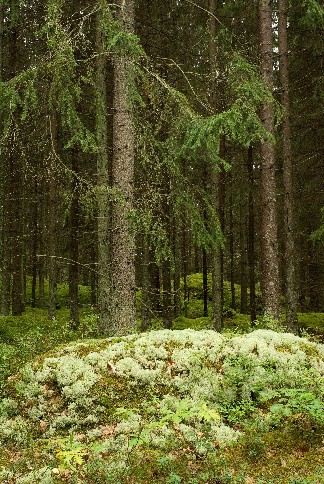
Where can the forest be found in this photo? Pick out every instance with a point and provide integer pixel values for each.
(161, 241)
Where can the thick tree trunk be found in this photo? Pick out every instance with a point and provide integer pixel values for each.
(290, 254)
(216, 263)
(122, 309)
(102, 182)
(251, 240)
(269, 244)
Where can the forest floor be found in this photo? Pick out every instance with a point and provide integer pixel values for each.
(183, 406)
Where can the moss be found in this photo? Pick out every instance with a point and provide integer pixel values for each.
(173, 385)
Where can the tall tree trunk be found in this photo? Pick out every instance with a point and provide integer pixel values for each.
(177, 266)
(251, 242)
(122, 319)
(243, 256)
(16, 184)
(269, 242)
(146, 309)
(205, 281)
(231, 249)
(34, 243)
(290, 255)
(74, 245)
(185, 257)
(166, 295)
(51, 216)
(216, 265)
(102, 182)
(6, 240)
(41, 237)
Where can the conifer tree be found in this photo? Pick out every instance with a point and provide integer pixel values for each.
(269, 243)
(122, 299)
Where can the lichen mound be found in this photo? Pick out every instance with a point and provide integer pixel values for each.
(154, 389)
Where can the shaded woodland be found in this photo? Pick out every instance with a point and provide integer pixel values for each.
(148, 141)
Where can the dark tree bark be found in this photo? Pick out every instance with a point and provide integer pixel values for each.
(166, 294)
(177, 266)
(290, 253)
(185, 257)
(16, 182)
(74, 245)
(51, 216)
(34, 243)
(122, 311)
(41, 237)
(269, 244)
(205, 283)
(102, 182)
(147, 309)
(216, 265)
(243, 255)
(251, 235)
(6, 241)
(231, 250)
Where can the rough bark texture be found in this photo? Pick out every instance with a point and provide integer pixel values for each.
(146, 285)
(52, 217)
(16, 184)
(205, 281)
(122, 319)
(5, 229)
(34, 236)
(269, 244)
(290, 255)
(251, 236)
(74, 245)
(166, 295)
(216, 263)
(177, 266)
(102, 183)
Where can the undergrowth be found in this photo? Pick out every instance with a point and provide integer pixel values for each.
(167, 406)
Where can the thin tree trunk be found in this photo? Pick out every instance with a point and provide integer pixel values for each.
(205, 282)
(269, 242)
(251, 242)
(34, 244)
(243, 256)
(102, 182)
(216, 265)
(231, 249)
(166, 295)
(74, 246)
(290, 255)
(41, 237)
(16, 183)
(146, 286)
(177, 266)
(52, 214)
(6, 240)
(185, 256)
(122, 319)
